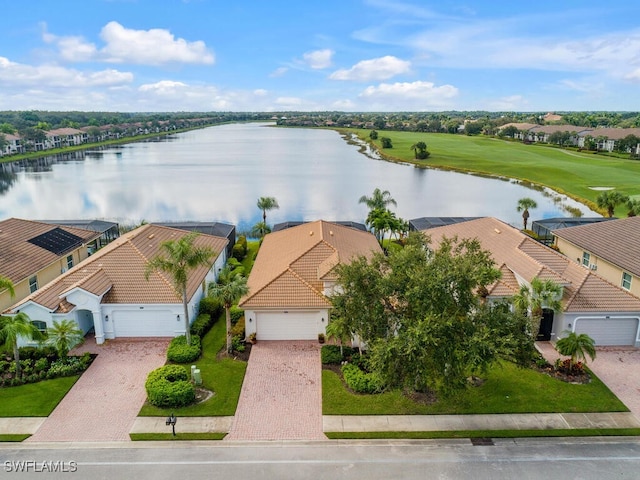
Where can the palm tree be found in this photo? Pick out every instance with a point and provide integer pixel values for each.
(379, 199)
(634, 207)
(12, 328)
(419, 150)
(542, 294)
(228, 290)
(524, 204)
(576, 346)
(64, 335)
(610, 199)
(259, 230)
(6, 284)
(338, 329)
(180, 257)
(267, 203)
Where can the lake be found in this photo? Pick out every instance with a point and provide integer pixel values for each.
(218, 173)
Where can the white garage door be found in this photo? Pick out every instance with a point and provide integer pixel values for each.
(288, 326)
(612, 331)
(146, 323)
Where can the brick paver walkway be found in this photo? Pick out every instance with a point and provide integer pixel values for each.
(281, 396)
(104, 402)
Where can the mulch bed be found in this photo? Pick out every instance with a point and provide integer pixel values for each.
(243, 356)
(562, 374)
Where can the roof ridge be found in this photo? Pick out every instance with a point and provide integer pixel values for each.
(143, 257)
(320, 295)
(577, 290)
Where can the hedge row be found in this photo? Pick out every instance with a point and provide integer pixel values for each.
(180, 352)
(201, 325)
(169, 386)
(359, 381)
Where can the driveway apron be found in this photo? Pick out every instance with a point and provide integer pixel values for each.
(281, 397)
(104, 402)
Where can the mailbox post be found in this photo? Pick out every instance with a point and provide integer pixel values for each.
(171, 420)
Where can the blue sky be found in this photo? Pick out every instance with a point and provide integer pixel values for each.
(347, 55)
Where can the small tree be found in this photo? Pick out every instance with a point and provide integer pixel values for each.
(338, 329)
(610, 199)
(576, 346)
(532, 300)
(386, 142)
(178, 258)
(524, 204)
(228, 290)
(12, 328)
(64, 335)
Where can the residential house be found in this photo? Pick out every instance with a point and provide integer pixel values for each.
(13, 145)
(109, 294)
(545, 227)
(294, 275)
(109, 231)
(34, 253)
(591, 304)
(612, 249)
(216, 229)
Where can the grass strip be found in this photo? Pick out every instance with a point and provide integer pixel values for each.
(146, 437)
(14, 437)
(34, 399)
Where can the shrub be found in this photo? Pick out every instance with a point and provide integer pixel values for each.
(331, 354)
(238, 252)
(201, 325)
(236, 314)
(180, 352)
(238, 330)
(36, 353)
(359, 381)
(41, 364)
(169, 386)
(211, 307)
(237, 343)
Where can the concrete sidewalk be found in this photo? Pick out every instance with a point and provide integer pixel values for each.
(380, 423)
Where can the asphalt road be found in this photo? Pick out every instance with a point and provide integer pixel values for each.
(520, 459)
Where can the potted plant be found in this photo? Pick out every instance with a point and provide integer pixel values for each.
(252, 338)
(321, 338)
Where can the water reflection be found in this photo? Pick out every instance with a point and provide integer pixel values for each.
(218, 173)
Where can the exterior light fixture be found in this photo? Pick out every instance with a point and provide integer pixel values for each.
(177, 318)
(106, 318)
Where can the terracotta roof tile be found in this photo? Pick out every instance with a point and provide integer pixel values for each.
(292, 263)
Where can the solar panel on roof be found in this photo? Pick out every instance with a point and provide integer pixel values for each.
(57, 241)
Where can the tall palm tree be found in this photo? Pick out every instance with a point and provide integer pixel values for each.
(228, 290)
(6, 284)
(267, 203)
(178, 259)
(12, 328)
(379, 199)
(532, 300)
(524, 204)
(610, 199)
(577, 347)
(64, 335)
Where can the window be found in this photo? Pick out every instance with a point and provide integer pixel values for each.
(40, 325)
(33, 283)
(69, 261)
(586, 258)
(626, 280)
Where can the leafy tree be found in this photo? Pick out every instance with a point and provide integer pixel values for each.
(178, 258)
(379, 199)
(386, 142)
(265, 204)
(510, 131)
(7, 128)
(417, 312)
(532, 300)
(373, 135)
(64, 336)
(576, 346)
(420, 150)
(610, 199)
(524, 204)
(228, 290)
(11, 329)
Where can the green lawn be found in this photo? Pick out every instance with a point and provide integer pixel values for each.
(566, 171)
(34, 399)
(507, 389)
(573, 432)
(223, 377)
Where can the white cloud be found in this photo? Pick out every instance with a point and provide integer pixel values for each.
(279, 72)
(375, 69)
(418, 96)
(509, 103)
(16, 74)
(633, 76)
(260, 92)
(319, 59)
(163, 87)
(343, 105)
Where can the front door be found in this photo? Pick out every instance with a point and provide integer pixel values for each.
(546, 325)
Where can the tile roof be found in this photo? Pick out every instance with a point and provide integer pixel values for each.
(616, 241)
(20, 258)
(117, 272)
(520, 256)
(292, 264)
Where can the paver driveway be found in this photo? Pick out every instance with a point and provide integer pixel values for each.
(104, 402)
(281, 396)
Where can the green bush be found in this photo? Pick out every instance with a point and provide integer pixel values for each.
(236, 314)
(36, 353)
(238, 329)
(331, 354)
(359, 381)
(238, 252)
(201, 325)
(237, 343)
(211, 307)
(180, 352)
(169, 386)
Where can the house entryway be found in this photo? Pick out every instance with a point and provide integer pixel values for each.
(546, 325)
(281, 396)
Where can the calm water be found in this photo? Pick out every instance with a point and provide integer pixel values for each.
(218, 173)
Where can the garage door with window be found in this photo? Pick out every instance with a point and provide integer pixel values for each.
(609, 331)
(146, 323)
(288, 326)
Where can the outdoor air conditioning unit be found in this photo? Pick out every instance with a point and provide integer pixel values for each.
(593, 267)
